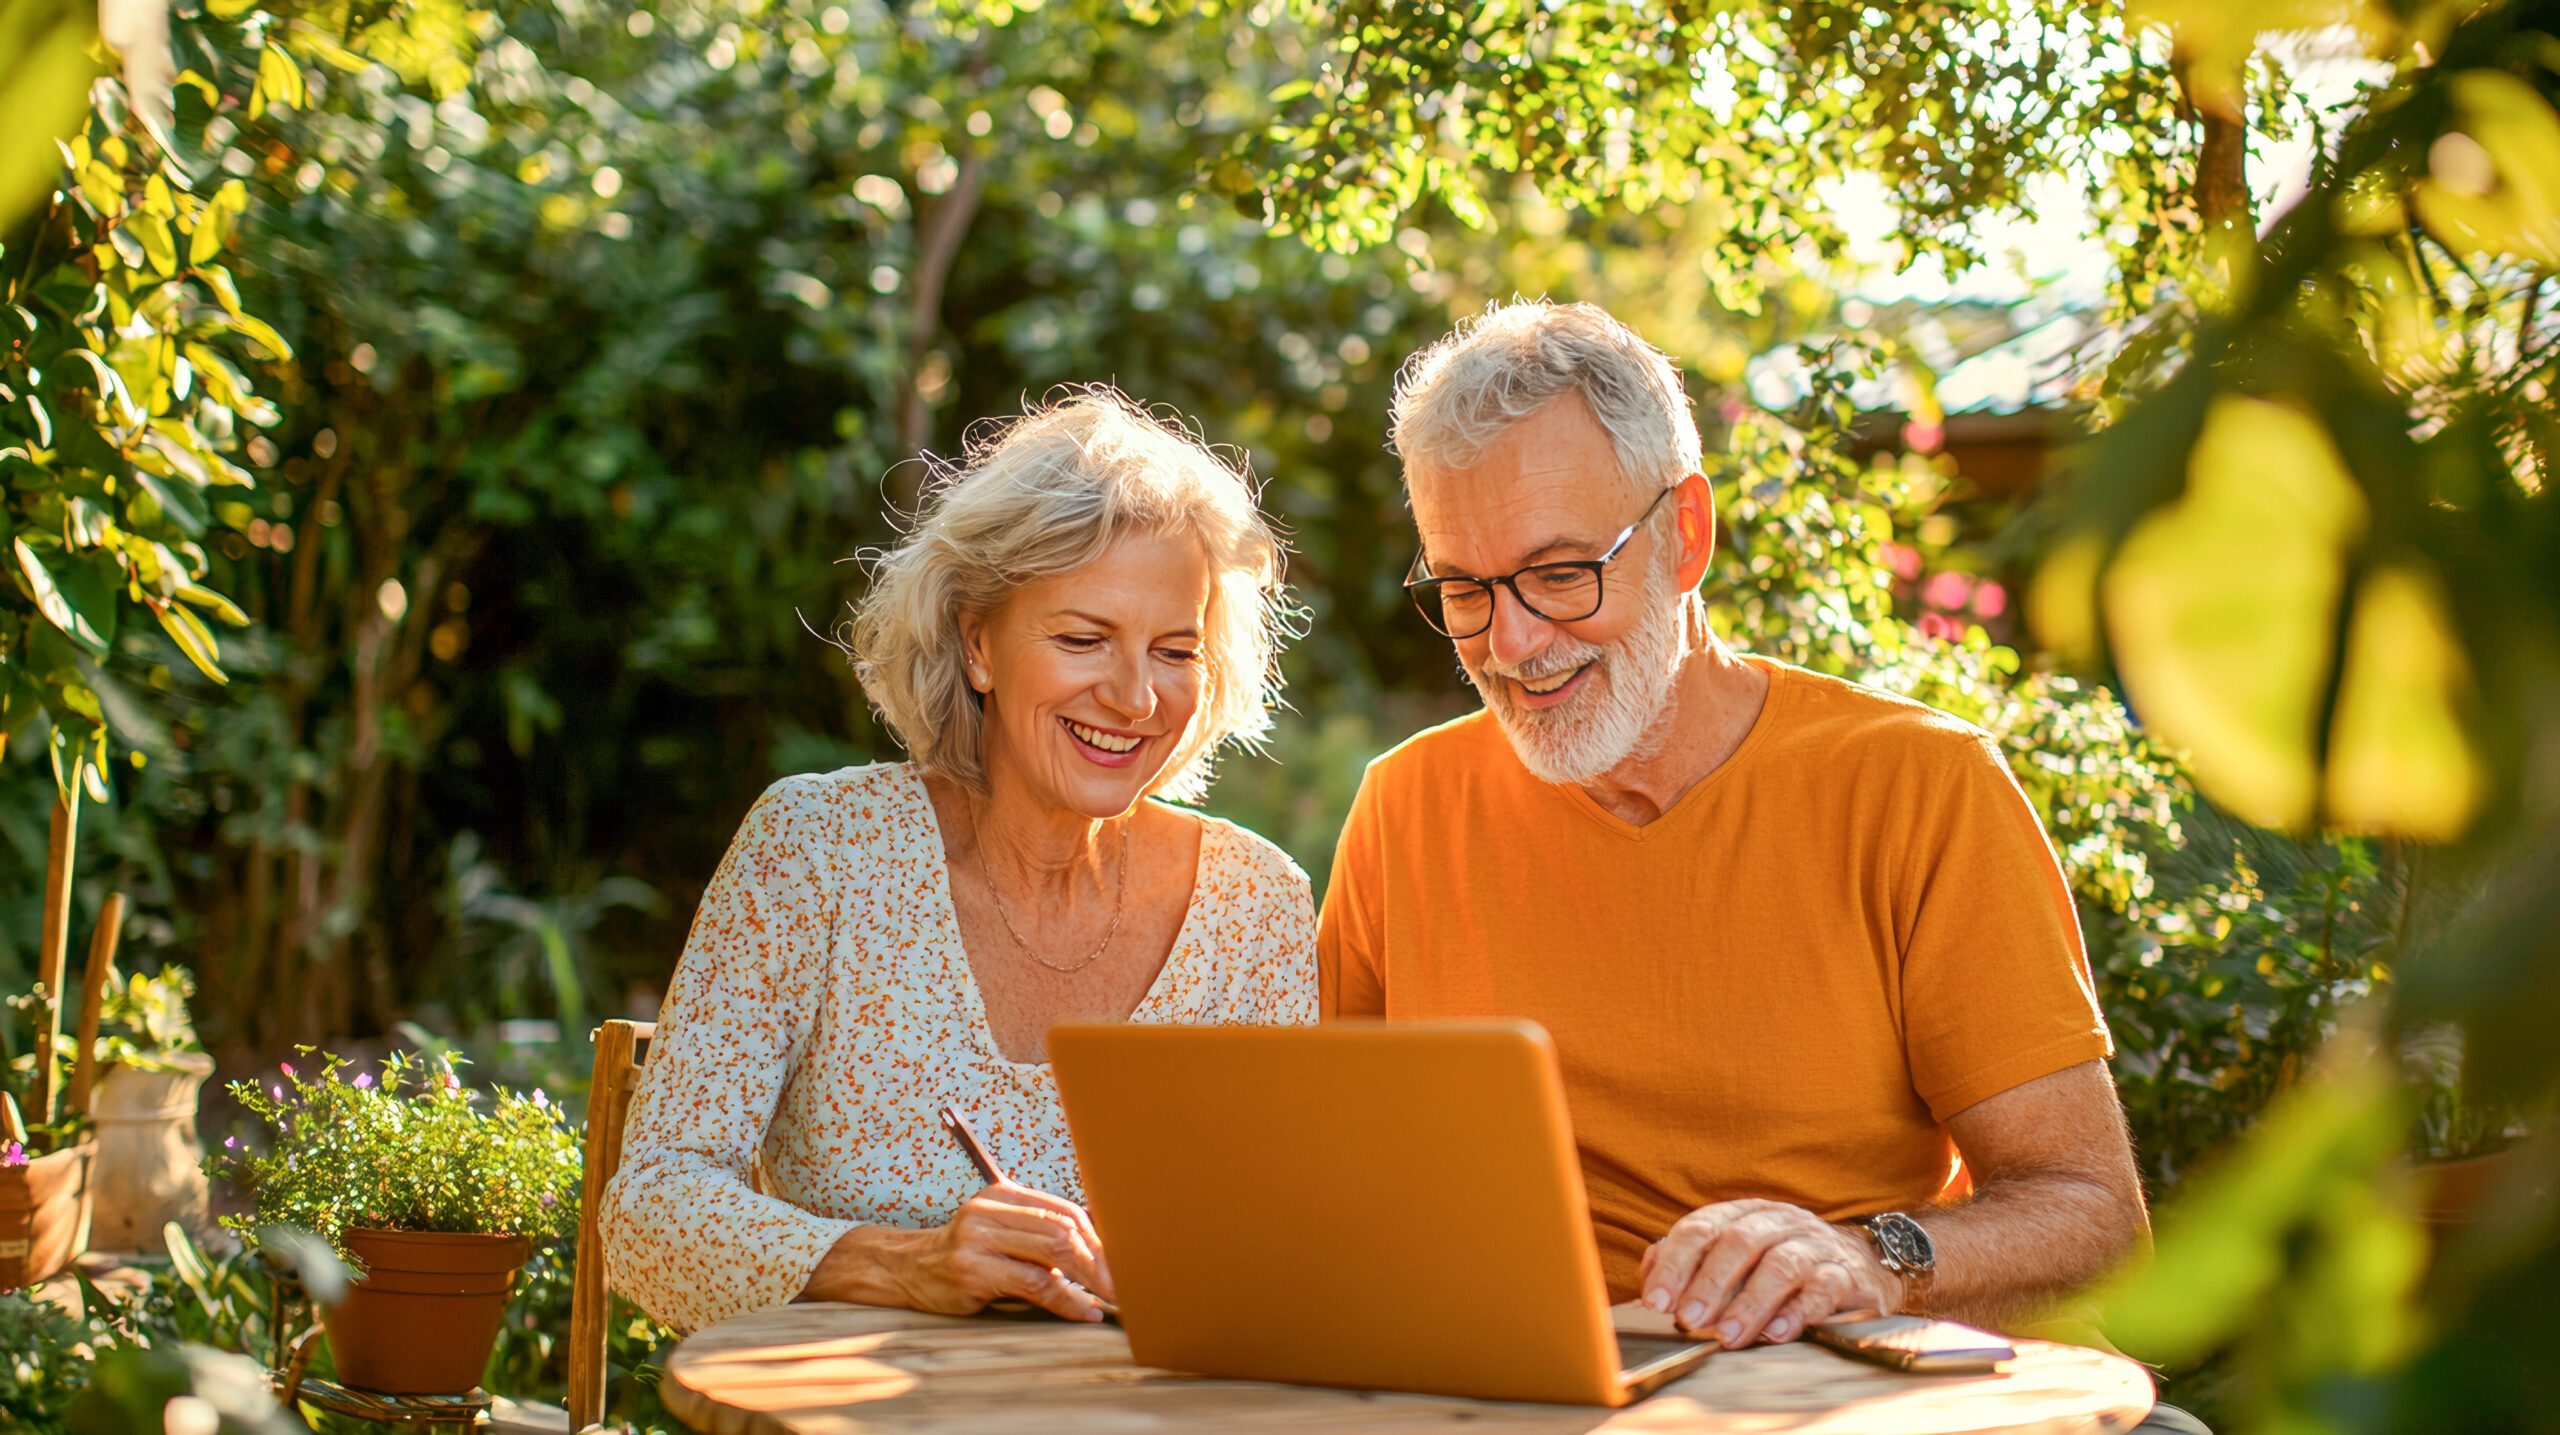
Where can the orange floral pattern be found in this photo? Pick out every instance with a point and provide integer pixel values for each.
(823, 1015)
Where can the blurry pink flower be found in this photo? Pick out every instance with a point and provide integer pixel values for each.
(364, 1082)
(1923, 437)
(277, 1092)
(1990, 600)
(1940, 626)
(286, 1067)
(13, 1154)
(1947, 590)
(1903, 561)
(452, 1082)
(540, 1100)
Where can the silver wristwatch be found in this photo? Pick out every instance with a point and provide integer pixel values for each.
(1903, 1247)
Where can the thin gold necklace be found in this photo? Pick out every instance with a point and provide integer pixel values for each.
(1119, 901)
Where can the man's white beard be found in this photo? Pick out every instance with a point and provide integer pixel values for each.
(1622, 710)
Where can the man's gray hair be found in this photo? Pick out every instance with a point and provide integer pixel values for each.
(1457, 396)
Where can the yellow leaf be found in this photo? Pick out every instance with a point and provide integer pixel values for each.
(280, 79)
(2063, 601)
(2221, 606)
(212, 227)
(103, 188)
(157, 241)
(263, 334)
(46, 96)
(222, 607)
(193, 639)
(2399, 759)
(2493, 184)
(157, 199)
(225, 292)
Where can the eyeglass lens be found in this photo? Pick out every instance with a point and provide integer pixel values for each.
(1463, 607)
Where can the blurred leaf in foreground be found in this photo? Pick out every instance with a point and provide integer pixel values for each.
(2221, 606)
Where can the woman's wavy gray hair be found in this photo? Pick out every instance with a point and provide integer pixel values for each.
(1046, 494)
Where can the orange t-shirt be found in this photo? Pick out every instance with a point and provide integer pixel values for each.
(1782, 987)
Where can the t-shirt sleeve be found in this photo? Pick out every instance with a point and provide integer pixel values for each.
(1995, 983)
(1350, 939)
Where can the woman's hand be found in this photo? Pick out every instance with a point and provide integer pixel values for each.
(1007, 1240)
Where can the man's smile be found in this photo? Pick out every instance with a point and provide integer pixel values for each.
(1553, 688)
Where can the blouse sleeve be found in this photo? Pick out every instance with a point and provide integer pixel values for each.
(685, 1233)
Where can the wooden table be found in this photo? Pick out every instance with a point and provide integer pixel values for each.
(841, 1369)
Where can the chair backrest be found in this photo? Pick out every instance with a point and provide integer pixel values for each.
(617, 1075)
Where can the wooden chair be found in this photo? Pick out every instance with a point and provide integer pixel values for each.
(617, 1075)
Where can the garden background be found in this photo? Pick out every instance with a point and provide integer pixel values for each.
(521, 380)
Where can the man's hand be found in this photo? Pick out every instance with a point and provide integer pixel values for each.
(1764, 1270)
(1007, 1240)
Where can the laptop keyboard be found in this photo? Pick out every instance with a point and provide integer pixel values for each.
(1635, 1351)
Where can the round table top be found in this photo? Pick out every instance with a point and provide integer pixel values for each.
(839, 1369)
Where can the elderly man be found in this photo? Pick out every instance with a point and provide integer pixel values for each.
(1826, 1027)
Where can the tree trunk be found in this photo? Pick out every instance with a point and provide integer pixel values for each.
(2222, 176)
(2221, 190)
(938, 236)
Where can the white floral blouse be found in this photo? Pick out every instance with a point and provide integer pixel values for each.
(823, 1015)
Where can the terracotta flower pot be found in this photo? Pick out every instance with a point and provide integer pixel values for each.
(425, 1316)
(44, 1215)
(150, 1169)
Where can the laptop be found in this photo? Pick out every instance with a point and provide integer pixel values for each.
(1381, 1207)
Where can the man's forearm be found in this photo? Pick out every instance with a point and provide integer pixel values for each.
(2025, 1242)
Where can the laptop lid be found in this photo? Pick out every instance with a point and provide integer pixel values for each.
(1382, 1207)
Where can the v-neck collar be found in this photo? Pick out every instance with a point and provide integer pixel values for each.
(944, 914)
(1575, 797)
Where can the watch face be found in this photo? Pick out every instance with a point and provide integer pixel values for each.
(1902, 1242)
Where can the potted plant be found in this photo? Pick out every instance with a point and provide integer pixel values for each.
(434, 1194)
(150, 1169)
(44, 1196)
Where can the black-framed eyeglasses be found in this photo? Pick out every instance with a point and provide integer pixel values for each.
(1557, 592)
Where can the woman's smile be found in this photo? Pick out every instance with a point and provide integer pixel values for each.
(1103, 745)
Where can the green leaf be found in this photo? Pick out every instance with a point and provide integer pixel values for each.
(51, 601)
(182, 502)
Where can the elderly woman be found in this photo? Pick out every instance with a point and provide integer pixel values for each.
(1084, 613)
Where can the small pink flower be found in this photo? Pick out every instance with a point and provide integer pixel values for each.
(277, 1092)
(285, 1066)
(1948, 590)
(549, 1200)
(1990, 600)
(540, 1100)
(364, 1082)
(452, 1082)
(13, 1154)
(230, 1143)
